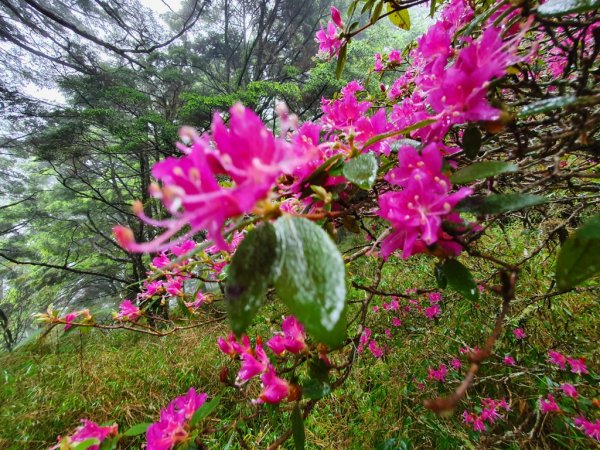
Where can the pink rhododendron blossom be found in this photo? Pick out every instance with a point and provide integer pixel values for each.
(548, 405)
(329, 40)
(174, 287)
(185, 247)
(455, 363)
(578, 366)
(557, 359)
(509, 360)
(395, 57)
(591, 429)
(197, 303)
(69, 318)
(252, 364)
(293, 339)
(519, 333)
(275, 389)
(433, 311)
(419, 209)
(438, 374)
(88, 430)
(569, 390)
(171, 428)
(378, 63)
(232, 347)
(247, 152)
(375, 350)
(161, 261)
(128, 311)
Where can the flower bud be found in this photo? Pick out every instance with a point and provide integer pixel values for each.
(337, 17)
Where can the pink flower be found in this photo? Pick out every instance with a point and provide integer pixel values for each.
(89, 430)
(419, 209)
(395, 57)
(328, 39)
(509, 360)
(247, 152)
(438, 374)
(161, 261)
(490, 415)
(548, 405)
(569, 390)
(293, 339)
(375, 350)
(69, 318)
(188, 404)
(455, 363)
(474, 420)
(396, 322)
(185, 247)
(378, 63)
(174, 287)
(168, 431)
(200, 300)
(591, 429)
(128, 311)
(336, 17)
(232, 347)
(578, 366)
(557, 359)
(275, 389)
(433, 311)
(519, 333)
(171, 428)
(435, 297)
(252, 365)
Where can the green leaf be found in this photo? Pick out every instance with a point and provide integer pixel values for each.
(460, 279)
(83, 445)
(204, 411)
(298, 428)
(255, 266)
(377, 11)
(312, 280)
(138, 429)
(362, 170)
(341, 60)
(579, 257)
(499, 203)
(555, 8)
(472, 142)
(400, 18)
(546, 105)
(315, 389)
(440, 278)
(479, 171)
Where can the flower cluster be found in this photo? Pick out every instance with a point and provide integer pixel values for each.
(172, 427)
(255, 361)
(578, 365)
(246, 152)
(489, 413)
(329, 38)
(419, 210)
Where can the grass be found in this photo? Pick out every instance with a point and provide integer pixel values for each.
(46, 387)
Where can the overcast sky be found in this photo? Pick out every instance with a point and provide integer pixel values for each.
(54, 96)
